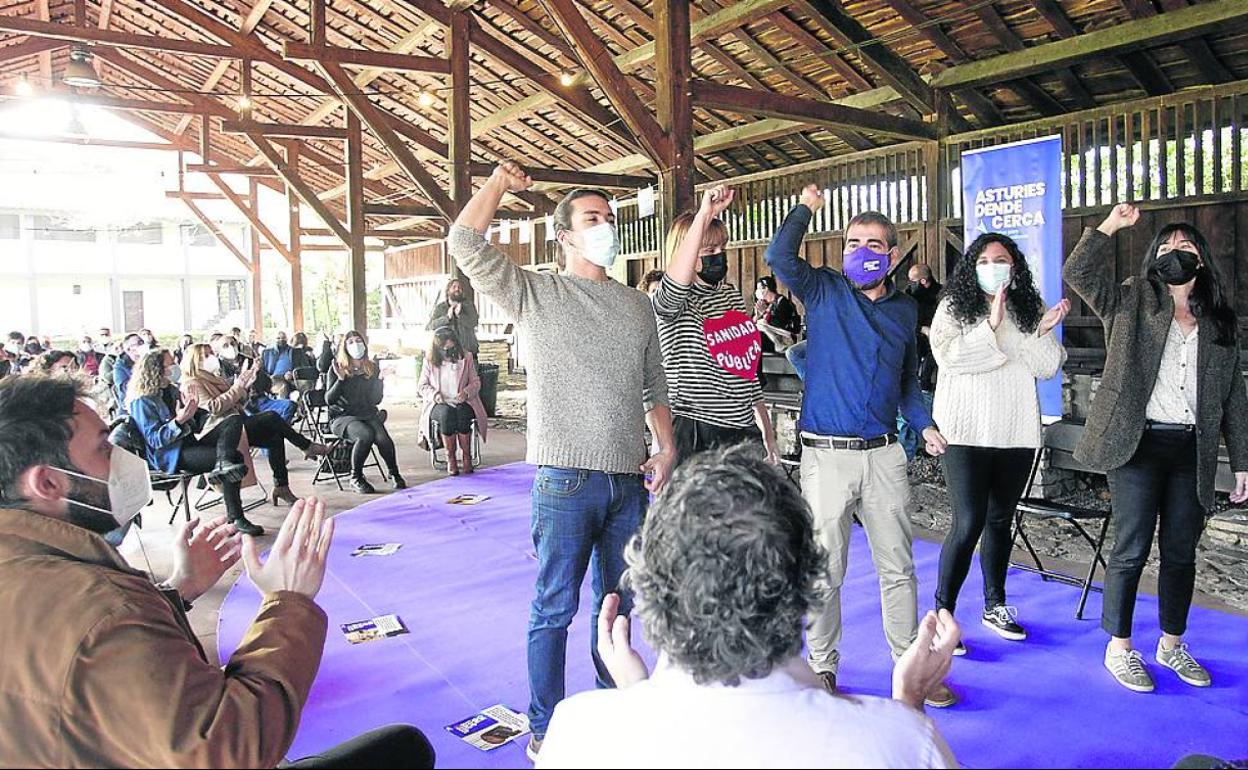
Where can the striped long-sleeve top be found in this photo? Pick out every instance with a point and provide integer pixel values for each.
(711, 353)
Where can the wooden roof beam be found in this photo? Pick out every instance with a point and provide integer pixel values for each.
(821, 113)
(1158, 30)
(253, 217)
(29, 47)
(610, 78)
(352, 57)
(252, 20)
(1196, 49)
(58, 31)
(256, 171)
(216, 231)
(405, 210)
(283, 130)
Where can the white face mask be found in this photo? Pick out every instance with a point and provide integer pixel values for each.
(760, 294)
(356, 350)
(139, 352)
(212, 364)
(175, 374)
(992, 276)
(85, 347)
(12, 348)
(129, 486)
(229, 354)
(600, 244)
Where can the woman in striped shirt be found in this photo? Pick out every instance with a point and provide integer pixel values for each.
(711, 347)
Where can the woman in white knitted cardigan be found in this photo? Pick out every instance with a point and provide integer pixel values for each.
(992, 340)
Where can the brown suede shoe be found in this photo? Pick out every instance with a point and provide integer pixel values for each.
(941, 697)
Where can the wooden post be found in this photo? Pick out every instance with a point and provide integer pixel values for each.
(257, 293)
(296, 242)
(459, 135)
(355, 222)
(316, 21)
(675, 111)
(936, 180)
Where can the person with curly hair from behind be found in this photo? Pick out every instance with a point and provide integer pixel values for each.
(724, 570)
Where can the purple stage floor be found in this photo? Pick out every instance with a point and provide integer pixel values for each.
(463, 580)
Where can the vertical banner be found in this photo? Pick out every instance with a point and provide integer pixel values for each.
(1016, 189)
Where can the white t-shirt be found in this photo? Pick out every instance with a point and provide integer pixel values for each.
(785, 720)
(449, 376)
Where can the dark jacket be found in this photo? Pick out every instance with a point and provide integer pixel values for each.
(464, 325)
(783, 315)
(1137, 315)
(928, 299)
(356, 396)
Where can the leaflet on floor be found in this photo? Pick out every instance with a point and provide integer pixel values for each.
(373, 629)
(468, 499)
(377, 549)
(490, 728)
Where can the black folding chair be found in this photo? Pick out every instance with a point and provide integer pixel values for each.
(1083, 520)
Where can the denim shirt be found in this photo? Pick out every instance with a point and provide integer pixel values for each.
(861, 355)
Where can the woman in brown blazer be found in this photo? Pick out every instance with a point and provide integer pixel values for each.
(1172, 387)
(202, 380)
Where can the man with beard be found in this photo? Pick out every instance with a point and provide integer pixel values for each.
(458, 312)
(100, 666)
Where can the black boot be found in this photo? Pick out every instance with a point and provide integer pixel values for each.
(396, 479)
(362, 486)
(225, 470)
(245, 527)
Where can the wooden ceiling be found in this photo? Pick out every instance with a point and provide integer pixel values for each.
(863, 52)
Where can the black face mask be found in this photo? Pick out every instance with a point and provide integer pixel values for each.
(714, 268)
(282, 345)
(451, 354)
(1176, 267)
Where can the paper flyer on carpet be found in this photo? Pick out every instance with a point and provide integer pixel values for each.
(490, 728)
(377, 549)
(373, 629)
(468, 499)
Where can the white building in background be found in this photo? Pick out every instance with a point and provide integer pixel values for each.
(59, 278)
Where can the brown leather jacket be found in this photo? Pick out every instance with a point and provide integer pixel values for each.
(98, 668)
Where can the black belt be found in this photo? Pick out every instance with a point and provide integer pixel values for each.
(856, 444)
(1154, 425)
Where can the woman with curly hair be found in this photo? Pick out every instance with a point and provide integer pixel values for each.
(992, 339)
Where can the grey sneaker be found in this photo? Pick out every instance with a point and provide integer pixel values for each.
(1182, 663)
(1128, 668)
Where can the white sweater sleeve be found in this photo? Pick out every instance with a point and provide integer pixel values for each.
(961, 349)
(1042, 355)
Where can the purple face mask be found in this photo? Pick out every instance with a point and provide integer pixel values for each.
(865, 267)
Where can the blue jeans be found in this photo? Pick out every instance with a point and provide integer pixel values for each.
(579, 517)
(908, 437)
(797, 359)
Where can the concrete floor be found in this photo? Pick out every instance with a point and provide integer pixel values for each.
(154, 538)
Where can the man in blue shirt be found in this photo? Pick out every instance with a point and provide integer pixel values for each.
(861, 360)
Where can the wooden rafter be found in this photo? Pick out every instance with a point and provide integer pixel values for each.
(257, 12)
(247, 210)
(353, 57)
(217, 232)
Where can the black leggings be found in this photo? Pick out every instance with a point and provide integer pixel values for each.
(1154, 492)
(270, 432)
(452, 420)
(364, 433)
(200, 455)
(693, 436)
(984, 487)
(396, 747)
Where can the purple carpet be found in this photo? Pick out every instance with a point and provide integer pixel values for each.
(463, 580)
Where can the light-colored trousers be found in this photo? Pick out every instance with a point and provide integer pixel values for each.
(839, 483)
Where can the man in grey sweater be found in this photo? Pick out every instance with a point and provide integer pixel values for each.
(595, 376)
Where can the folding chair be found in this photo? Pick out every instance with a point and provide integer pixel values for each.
(436, 460)
(336, 463)
(1081, 519)
(205, 502)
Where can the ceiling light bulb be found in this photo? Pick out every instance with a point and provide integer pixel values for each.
(244, 103)
(425, 99)
(567, 79)
(80, 72)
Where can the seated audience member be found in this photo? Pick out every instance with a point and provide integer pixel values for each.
(458, 312)
(282, 360)
(776, 316)
(170, 441)
(649, 282)
(184, 342)
(725, 569)
(11, 354)
(149, 338)
(449, 387)
(234, 357)
(254, 346)
(33, 348)
(132, 349)
(111, 647)
(89, 357)
(202, 383)
(56, 362)
(353, 393)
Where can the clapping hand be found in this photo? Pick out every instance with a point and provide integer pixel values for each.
(1121, 216)
(812, 197)
(927, 661)
(615, 645)
(1053, 317)
(297, 561)
(247, 375)
(201, 555)
(997, 314)
(187, 412)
